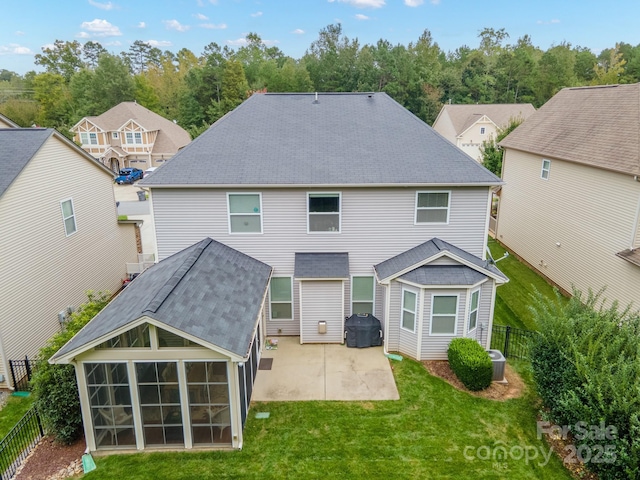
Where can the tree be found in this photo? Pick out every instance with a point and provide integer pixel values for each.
(234, 86)
(492, 153)
(63, 58)
(141, 55)
(52, 94)
(609, 68)
(54, 386)
(91, 52)
(112, 83)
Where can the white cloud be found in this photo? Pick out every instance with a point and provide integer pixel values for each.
(200, 16)
(20, 33)
(101, 28)
(102, 6)
(176, 25)
(83, 35)
(213, 26)
(257, 14)
(359, 16)
(415, 3)
(142, 25)
(15, 49)
(435, 2)
(116, 43)
(362, 3)
(240, 42)
(159, 43)
(298, 31)
(545, 22)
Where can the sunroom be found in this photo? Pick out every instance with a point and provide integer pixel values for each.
(171, 361)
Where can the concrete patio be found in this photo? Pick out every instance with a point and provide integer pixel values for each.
(324, 372)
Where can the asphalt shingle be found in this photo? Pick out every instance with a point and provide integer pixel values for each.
(17, 148)
(321, 265)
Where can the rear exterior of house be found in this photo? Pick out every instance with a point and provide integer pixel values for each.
(571, 203)
(60, 238)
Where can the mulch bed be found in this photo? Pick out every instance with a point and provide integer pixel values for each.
(52, 461)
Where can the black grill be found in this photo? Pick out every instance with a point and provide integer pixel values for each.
(363, 331)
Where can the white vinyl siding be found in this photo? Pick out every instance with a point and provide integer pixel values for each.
(245, 212)
(444, 314)
(323, 212)
(362, 295)
(281, 298)
(408, 315)
(570, 209)
(432, 207)
(322, 301)
(68, 216)
(546, 167)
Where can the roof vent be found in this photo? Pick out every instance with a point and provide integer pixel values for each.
(316, 99)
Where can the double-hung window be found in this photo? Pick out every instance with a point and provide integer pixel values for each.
(409, 300)
(546, 166)
(432, 207)
(473, 310)
(323, 211)
(134, 138)
(281, 298)
(362, 295)
(68, 216)
(245, 212)
(88, 138)
(444, 314)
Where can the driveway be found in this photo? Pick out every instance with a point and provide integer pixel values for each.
(324, 372)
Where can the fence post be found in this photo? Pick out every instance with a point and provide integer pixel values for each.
(26, 364)
(506, 341)
(13, 375)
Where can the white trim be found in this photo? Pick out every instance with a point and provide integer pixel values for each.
(491, 312)
(271, 319)
(440, 287)
(339, 212)
(455, 323)
(415, 310)
(273, 186)
(301, 310)
(546, 168)
(373, 296)
(470, 311)
(486, 225)
(416, 208)
(420, 323)
(253, 214)
(73, 215)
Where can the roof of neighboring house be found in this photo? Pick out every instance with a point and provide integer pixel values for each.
(6, 122)
(464, 116)
(171, 137)
(420, 255)
(321, 265)
(596, 126)
(208, 290)
(444, 275)
(350, 139)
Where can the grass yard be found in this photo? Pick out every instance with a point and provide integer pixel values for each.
(423, 435)
(12, 412)
(513, 299)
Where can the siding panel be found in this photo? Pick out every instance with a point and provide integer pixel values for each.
(434, 347)
(322, 301)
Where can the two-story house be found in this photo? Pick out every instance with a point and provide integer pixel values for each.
(467, 126)
(290, 213)
(60, 237)
(571, 203)
(130, 135)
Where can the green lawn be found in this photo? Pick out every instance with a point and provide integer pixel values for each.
(514, 298)
(423, 435)
(12, 412)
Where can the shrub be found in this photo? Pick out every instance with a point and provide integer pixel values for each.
(54, 386)
(471, 363)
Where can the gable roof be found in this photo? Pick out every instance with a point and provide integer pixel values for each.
(17, 148)
(596, 126)
(444, 275)
(6, 122)
(420, 255)
(350, 139)
(464, 116)
(171, 137)
(208, 290)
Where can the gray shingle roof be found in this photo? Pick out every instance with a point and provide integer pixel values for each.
(596, 126)
(342, 139)
(321, 265)
(428, 249)
(17, 148)
(444, 275)
(463, 116)
(208, 290)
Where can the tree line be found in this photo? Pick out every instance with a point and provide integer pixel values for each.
(195, 90)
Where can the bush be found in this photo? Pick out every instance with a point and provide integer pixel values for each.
(54, 386)
(471, 363)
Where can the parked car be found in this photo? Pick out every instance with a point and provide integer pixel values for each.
(129, 175)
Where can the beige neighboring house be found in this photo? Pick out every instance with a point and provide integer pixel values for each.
(5, 122)
(467, 126)
(130, 135)
(570, 205)
(60, 237)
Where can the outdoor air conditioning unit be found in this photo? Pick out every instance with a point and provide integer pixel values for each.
(499, 362)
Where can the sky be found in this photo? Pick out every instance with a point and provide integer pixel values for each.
(26, 26)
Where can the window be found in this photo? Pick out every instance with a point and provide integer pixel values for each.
(137, 337)
(409, 310)
(281, 298)
(167, 339)
(432, 207)
(88, 138)
(134, 137)
(114, 135)
(245, 212)
(473, 310)
(68, 216)
(208, 402)
(444, 312)
(362, 294)
(482, 130)
(323, 212)
(546, 166)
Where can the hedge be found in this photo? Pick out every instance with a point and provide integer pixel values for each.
(471, 363)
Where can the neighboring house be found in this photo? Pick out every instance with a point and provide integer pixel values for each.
(467, 126)
(60, 237)
(130, 135)
(570, 206)
(311, 209)
(6, 122)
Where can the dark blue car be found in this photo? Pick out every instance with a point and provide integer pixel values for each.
(129, 175)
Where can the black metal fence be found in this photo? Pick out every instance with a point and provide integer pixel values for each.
(21, 371)
(22, 438)
(512, 342)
